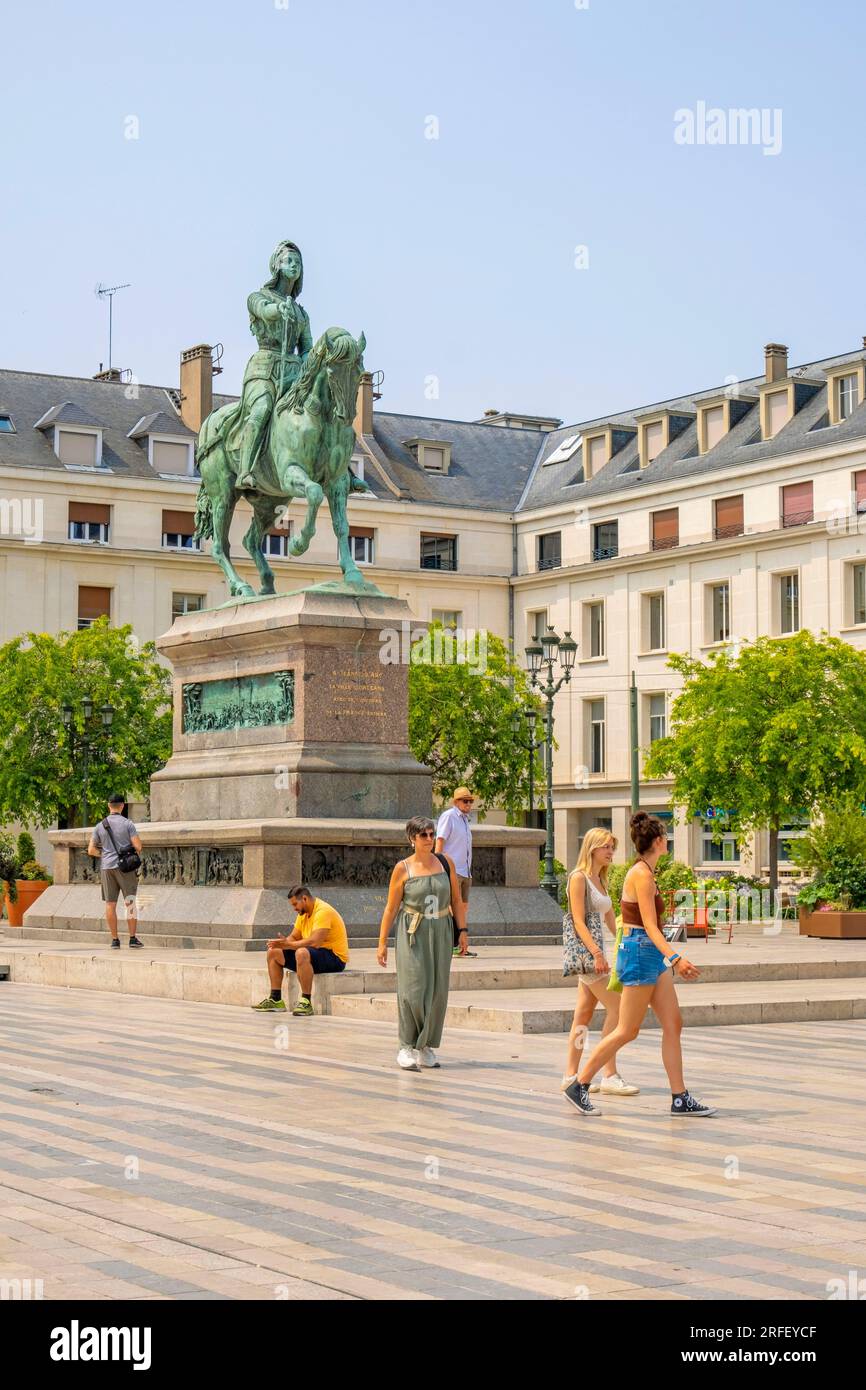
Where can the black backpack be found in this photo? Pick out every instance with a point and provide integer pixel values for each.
(128, 858)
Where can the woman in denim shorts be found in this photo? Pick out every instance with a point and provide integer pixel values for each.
(641, 965)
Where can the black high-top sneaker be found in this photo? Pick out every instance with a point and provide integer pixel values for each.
(685, 1104)
(578, 1096)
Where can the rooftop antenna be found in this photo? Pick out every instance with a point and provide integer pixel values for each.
(108, 292)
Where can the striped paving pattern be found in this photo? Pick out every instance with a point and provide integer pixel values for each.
(157, 1149)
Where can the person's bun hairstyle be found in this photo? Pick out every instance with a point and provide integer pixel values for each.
(645, 830)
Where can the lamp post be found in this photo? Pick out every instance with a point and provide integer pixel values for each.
(531, 743)
(84, 739)
(542, 660)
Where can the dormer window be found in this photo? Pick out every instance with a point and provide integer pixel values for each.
(717, 416)
(76, 435)
(170, 445)
(434, 455)
(782, 395)
(601, 444)
(656, 432)
(846, 389)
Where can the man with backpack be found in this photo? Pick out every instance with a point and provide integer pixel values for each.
(115, 843)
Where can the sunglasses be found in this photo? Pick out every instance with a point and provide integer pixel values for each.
(425, 834)
(466, 800)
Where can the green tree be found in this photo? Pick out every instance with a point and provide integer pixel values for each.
(39, 674)
(777, 731)
(460, 721)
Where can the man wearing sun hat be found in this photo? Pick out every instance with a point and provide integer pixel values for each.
(454, 838)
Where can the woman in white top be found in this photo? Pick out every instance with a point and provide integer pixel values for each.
(590, 906)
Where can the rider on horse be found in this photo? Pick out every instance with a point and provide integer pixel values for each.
(282, 331)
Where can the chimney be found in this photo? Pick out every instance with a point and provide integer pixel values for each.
(364, 408)
(776, 360)
(110, 374)
(196, 385)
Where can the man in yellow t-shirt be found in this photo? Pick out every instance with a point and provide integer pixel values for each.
(318, 945)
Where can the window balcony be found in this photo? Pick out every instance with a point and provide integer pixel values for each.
(665, 542)
(723, 533)
(800, 518)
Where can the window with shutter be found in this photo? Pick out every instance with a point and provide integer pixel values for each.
(797, 505)
(729, 517)
(88, 521)
(170, 458)
(361, 540)
(666, 529)
(178, 530)
(93, 603)
(76, 448)
(778, 411)
(714, 426)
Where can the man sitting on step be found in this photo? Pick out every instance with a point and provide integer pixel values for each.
(318, 945)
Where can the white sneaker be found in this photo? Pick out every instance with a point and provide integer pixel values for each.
(407, 1058)
(615, 1086)
(427, 1057)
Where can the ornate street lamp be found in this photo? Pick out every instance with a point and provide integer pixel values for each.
(542, 661)
(531, 743)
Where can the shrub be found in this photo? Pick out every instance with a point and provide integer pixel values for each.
(834, 852)
(26, 848)
(34, 873)
(842, 831)
(9, 866)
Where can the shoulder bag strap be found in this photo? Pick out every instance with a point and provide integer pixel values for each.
(107, 827)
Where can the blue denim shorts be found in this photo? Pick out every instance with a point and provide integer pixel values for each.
(638, 961)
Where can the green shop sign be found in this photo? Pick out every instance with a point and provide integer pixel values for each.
(243, 702)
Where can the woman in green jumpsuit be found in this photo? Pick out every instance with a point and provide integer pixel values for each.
(426, 895)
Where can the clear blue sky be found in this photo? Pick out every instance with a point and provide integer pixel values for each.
(455, 255)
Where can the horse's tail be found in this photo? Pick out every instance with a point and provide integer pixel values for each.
(203, 515)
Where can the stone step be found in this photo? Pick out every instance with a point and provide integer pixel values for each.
(551, 1010)
(178, 940)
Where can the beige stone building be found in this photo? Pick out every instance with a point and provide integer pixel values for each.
(681, 526)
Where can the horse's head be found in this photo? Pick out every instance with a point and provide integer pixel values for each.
(329, 379)
(343, 364)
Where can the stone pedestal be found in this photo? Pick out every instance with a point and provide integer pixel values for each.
(291, 707)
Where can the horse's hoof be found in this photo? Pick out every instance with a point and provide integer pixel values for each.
(243, 591)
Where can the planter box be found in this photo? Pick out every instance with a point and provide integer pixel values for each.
(28, 891)
(844, 926)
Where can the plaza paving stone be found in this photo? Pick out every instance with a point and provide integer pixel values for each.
(156, 1148)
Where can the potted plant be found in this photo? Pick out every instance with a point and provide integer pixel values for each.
(833, 903)
(24, 880)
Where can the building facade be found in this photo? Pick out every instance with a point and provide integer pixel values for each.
(684, 526)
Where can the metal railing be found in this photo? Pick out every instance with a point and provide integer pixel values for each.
(801, 518)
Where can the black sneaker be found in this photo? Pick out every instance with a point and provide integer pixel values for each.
(578, 1095)
(134, 941)
(686, 1104)
(115, 943)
